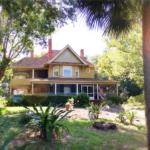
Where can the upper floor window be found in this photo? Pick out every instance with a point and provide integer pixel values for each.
(67, 71)
(55, 72)
(76, 72)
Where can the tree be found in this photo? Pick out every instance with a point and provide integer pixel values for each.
(25, 21)
(123, 57)
(118, 16)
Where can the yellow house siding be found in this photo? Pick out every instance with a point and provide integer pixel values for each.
(86, 72)
(19, 82)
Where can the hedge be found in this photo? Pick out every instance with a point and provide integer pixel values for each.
(56, 100)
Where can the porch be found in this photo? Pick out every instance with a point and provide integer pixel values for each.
(94, 91)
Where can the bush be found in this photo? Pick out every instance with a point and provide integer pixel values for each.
(136, 99)
(81, 100)
(3, 102)
(44, 100)
(115, 100)
(126, 117)
(25, 118)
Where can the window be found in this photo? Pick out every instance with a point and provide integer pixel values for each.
(55, 72)
(67, 71)
(77, 72)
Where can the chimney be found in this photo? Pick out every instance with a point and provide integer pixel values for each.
(32, 54)
(82, 53)
(49, 47)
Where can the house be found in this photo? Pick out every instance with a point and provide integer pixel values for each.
(59, 72)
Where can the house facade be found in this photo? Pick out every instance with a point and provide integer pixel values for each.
(59, 72)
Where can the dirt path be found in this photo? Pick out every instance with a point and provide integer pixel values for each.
(80, 113)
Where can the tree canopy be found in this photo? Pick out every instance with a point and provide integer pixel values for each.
(25, 21)
(123, 57)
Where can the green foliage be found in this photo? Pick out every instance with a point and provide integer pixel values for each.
(25, 118)
(115, 100)
(44, 100)
(126, 117)
(123, 58)
(94, 110)
(3, 102)
(49, 121)
(3, 111)
(24, 22)
(136, 99)
(130, 117)
(130, 87)
(81, 100)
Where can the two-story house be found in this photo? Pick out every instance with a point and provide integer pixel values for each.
(58, 72)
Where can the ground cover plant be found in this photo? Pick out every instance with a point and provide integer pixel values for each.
(81, 137)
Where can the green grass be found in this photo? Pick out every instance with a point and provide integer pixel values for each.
(81, 137)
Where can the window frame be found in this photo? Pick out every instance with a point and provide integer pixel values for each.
(55, 69)
(67, 67)
(77, 71)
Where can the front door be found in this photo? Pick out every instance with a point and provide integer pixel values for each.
(89, 90)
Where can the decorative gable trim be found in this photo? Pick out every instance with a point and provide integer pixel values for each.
(64, 49)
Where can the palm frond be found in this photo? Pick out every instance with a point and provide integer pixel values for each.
(114, 16)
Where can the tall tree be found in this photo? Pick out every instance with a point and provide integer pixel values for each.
(25, 21)
(121, 55)
(118, 16)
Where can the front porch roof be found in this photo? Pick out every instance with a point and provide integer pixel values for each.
(74, 80)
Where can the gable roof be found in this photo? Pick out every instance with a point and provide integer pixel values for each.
(40, 62)
(65, 49)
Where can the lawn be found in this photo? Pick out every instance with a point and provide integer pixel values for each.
(81, 137)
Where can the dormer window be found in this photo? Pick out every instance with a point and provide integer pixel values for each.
(55, 72)
(67, 71)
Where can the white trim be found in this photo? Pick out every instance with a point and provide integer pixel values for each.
(32, 88)
(77, 89)
(64, 49)
(33, 76)
(97, 92)
(67, 67)
(55, 89)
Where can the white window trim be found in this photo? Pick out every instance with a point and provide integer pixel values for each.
(55, 70)
(67, 67)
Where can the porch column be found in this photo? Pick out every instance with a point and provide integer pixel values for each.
(32, 73)
(97, 91)
(93, 92)
(32, 88)
(77, 89)
(55, 88)
(117, 89)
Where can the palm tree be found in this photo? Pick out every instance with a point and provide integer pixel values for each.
(117, 17)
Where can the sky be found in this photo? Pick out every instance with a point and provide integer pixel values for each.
(78, 36)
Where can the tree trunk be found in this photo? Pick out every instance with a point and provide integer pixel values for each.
(146, 56)
(3, 66)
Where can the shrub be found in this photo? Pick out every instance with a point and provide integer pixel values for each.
(25, 118)
(94, 110)
(44, 100)
(136, 99)
(49, 121)
(3, 102)
(126, 117)
(116, 100)
(81, 100)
